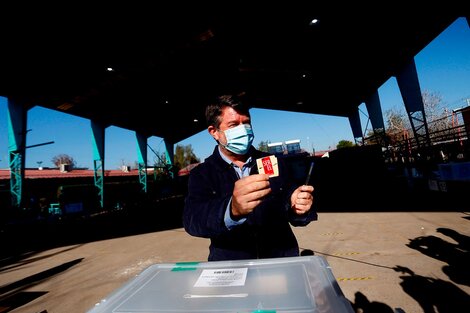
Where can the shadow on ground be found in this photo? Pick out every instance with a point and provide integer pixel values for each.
(432, 294)
(13, 295)
(22, 241)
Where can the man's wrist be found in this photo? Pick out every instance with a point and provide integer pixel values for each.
(233, 217)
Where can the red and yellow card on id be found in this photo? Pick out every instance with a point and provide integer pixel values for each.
(268, 165)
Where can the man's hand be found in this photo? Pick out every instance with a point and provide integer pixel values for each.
(248, 193)
(301, 199)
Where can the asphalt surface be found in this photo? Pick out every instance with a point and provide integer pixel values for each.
(384, 261)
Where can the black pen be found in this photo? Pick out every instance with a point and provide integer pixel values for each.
(309, 173)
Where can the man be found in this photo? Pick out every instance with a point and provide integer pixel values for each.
(246, 214)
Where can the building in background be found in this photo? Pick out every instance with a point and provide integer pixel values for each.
(293, 146)
(287, 147)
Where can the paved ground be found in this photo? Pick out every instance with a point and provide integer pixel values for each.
(384, 261)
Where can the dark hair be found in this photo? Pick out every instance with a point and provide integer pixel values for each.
(214, 110)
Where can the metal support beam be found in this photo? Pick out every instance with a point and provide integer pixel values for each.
(17, 120)
(142, 160)
(98, 167)
(98, 139)
(411, 93)
(355, 123)
(16, 178)
(375, 113)
(169, 148)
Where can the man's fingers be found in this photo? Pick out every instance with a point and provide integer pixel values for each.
(254, 196)
(302, 199)
(251, 184)
(251, 205)
(306, 188)
(256, 177)
(258, 194)
(304, 195)
(249, 192)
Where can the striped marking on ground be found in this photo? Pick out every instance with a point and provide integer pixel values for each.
(354, 278)
(330, 234)
(347, 253)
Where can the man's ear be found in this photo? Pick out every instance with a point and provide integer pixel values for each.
(213, 132)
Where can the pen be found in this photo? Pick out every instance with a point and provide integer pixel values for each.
(309, 173)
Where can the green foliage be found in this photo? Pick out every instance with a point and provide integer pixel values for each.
(63, 159)
(263, 145)
(184, 155)
(160, 161)
(344, 144)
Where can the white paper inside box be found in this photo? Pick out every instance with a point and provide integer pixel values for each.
(295, 284)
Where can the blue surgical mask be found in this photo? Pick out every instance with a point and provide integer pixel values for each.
(239, 139)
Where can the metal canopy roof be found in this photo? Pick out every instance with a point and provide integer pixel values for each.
(168, 62)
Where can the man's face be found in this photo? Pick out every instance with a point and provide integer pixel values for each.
(229, 119)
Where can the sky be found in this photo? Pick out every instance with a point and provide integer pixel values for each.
(443, 67)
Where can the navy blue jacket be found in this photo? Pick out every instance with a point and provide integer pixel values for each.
(267, 231)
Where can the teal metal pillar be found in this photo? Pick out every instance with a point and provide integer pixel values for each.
(142, 160)
(98, 133)
(408, 83)
(169, 156)
(17, 120)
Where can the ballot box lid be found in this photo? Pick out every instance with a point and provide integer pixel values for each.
(292, 284)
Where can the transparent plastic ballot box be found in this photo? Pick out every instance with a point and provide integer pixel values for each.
(292, 284)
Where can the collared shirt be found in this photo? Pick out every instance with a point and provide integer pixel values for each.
(241, 172)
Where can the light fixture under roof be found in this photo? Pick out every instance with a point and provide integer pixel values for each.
(314, 21)
(65, 106)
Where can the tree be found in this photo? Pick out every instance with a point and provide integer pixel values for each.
(344, 144)
(437, 115)
(161, 167)
(184, 155)
(63, 159)
(160, 160)
(263, 145)
(398, 123)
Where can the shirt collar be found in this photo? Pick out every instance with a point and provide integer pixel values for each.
(226, 159)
